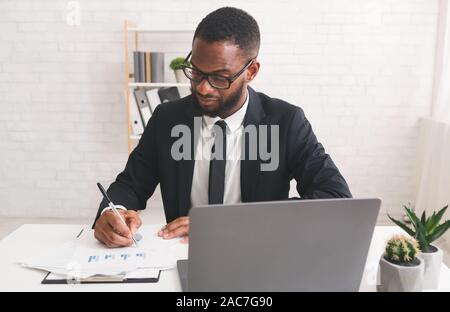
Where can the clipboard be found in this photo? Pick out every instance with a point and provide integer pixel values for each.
(53, 279)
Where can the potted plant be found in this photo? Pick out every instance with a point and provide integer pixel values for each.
(427, 230)
(175, 65)
(400, 267)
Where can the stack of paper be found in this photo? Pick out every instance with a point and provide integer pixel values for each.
(85, 257)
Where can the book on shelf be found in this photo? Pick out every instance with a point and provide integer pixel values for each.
(148, 66)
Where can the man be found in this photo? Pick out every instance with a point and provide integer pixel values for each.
(223, 62)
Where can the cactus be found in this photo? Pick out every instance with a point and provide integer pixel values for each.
(401, 249)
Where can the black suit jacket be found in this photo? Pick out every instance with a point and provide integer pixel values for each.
(301, 157)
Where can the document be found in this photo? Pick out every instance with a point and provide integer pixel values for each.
(85, 257)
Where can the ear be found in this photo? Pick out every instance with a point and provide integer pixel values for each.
(252, 71)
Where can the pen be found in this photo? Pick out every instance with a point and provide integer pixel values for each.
(79, 234)
(113, 208)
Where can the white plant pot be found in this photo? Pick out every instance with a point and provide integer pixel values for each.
(398, 278)
(180, 76)
(432, 270)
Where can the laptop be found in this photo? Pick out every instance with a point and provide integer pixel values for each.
(295, 245)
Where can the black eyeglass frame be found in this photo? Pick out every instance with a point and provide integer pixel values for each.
(205, 75)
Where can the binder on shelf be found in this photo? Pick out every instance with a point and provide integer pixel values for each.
(148, 76)
(156, 96)
(153, 98)
(143, 105)
(148, 66)
(184, 91)
(168, 94)
(136, 73)
(157, 66)
(137, 123)
(141, 66)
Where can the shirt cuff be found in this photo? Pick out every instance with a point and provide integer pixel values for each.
(117, 206)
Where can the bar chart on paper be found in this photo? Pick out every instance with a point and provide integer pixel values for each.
(153, 252)
(118, 257)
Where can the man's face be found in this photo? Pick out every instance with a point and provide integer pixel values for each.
(224, 59)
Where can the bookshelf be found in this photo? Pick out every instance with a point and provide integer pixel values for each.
(132, 31)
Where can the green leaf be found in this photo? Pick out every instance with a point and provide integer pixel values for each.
(406, 207)
(423, 219)
(421, 237)
(430, 224)
(412, 216)
(434, 221)
(440, 214)
(439, 231)
(403, 226)
(419, 228)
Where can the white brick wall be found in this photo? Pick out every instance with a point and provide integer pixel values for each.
(361, 69)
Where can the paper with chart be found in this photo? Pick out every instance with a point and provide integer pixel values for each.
(85, 256)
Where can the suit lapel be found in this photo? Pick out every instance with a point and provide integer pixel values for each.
(250, 168)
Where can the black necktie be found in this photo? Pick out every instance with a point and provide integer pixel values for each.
(217, 164)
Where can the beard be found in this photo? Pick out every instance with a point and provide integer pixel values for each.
(223, 105)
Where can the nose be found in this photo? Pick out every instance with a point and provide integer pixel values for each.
(204, 88)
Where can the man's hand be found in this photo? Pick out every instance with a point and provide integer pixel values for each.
(177, 228)
(111, 231)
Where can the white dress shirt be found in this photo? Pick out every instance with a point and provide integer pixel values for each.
(200, 180)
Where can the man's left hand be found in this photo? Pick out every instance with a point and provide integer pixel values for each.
(177, 228)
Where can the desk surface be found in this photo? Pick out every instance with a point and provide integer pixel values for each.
(32, 238)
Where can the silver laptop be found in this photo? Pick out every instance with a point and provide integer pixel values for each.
(301, 245)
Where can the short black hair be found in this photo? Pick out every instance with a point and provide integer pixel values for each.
(233, 25)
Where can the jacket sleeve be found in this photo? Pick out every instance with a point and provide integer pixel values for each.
(137, 182)
(315, 172)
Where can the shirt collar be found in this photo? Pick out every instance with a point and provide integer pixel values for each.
(233, 121)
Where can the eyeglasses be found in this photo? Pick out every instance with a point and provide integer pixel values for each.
(216, 81)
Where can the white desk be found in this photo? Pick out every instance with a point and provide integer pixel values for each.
(41, 238)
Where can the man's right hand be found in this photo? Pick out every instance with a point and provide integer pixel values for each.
(111, 231)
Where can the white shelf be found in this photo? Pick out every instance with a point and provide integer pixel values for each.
(133, 32)
(157, 84)
(160, 31)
